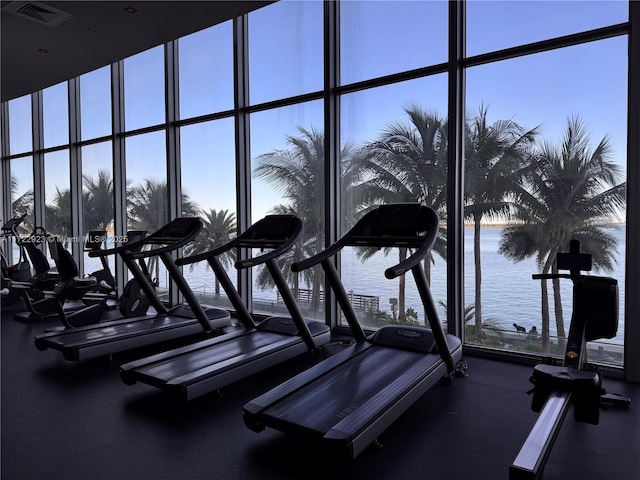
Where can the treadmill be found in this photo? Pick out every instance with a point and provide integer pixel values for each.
(115, 336)
(193, 370)
(349, 399)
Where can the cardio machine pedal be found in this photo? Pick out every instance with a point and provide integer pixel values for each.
(615, 400)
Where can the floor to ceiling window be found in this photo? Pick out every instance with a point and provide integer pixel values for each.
(207, 152)
(19, 184)
(287, 142)
(393, 144)
(144, 101)
(245, 134)
(538, 124)
(95, 104)
(394, 149)
(98, 198)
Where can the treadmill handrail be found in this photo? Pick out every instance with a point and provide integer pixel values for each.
(280, 245)
(135, 248)
(549, 276)
(355, 238)
(275, 252)
(415, 258)
(317, 258)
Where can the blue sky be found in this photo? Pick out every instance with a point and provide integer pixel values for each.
(378, 38)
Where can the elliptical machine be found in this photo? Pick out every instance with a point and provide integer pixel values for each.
(73, 287)
(105, 282)
(573, 382)
(134, 301)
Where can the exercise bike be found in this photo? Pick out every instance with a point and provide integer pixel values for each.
(18, 272)
(574, 382)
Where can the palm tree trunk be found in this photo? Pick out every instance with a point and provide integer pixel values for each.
(545, 317)
(557, 305)
(478, 274)
(545, 303)
(402, 288)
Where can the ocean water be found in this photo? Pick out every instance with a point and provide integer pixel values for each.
(509, 294)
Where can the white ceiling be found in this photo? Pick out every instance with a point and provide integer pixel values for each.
(97, 34)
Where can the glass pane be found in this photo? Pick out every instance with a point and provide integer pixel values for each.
(20, 126)
(206, 71)
(394, 149)
(57, 194)
(144, 89)
(97, 198)
(147, 199)
(285, 50)
(383, 37)
(513, 243)
(494, 25)
(95, 103)
(22, 196)
(287, 149)
(55, 102)
(207, 152)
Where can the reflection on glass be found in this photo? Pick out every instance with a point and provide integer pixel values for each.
(95, 103)
(20, 126)
(97, 196)
(206, 71)
(207, 152)
(571, 137)
(147, 198)
(381, 38)
(494, 25)
(394, 150)
(285, 50)
(55, 115)
(144, 89)
(288, 177)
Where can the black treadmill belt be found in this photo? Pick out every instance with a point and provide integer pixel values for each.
(319, 405)
(121, 330)
(209, 357)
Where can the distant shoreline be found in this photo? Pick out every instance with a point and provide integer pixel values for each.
(470, 225)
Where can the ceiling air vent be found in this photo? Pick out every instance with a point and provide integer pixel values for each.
(37, 12)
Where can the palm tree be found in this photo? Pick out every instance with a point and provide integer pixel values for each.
(148, 205)
(298, 173)
(58, 214)
(219, 227)
(98, 201)
(22, 205)
(408, 162)
(569, 191)
(147, 209)
(493, 153)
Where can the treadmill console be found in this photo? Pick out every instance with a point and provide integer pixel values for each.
(400, 224)
(178, 229)
(271, 231)
(95, 239)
